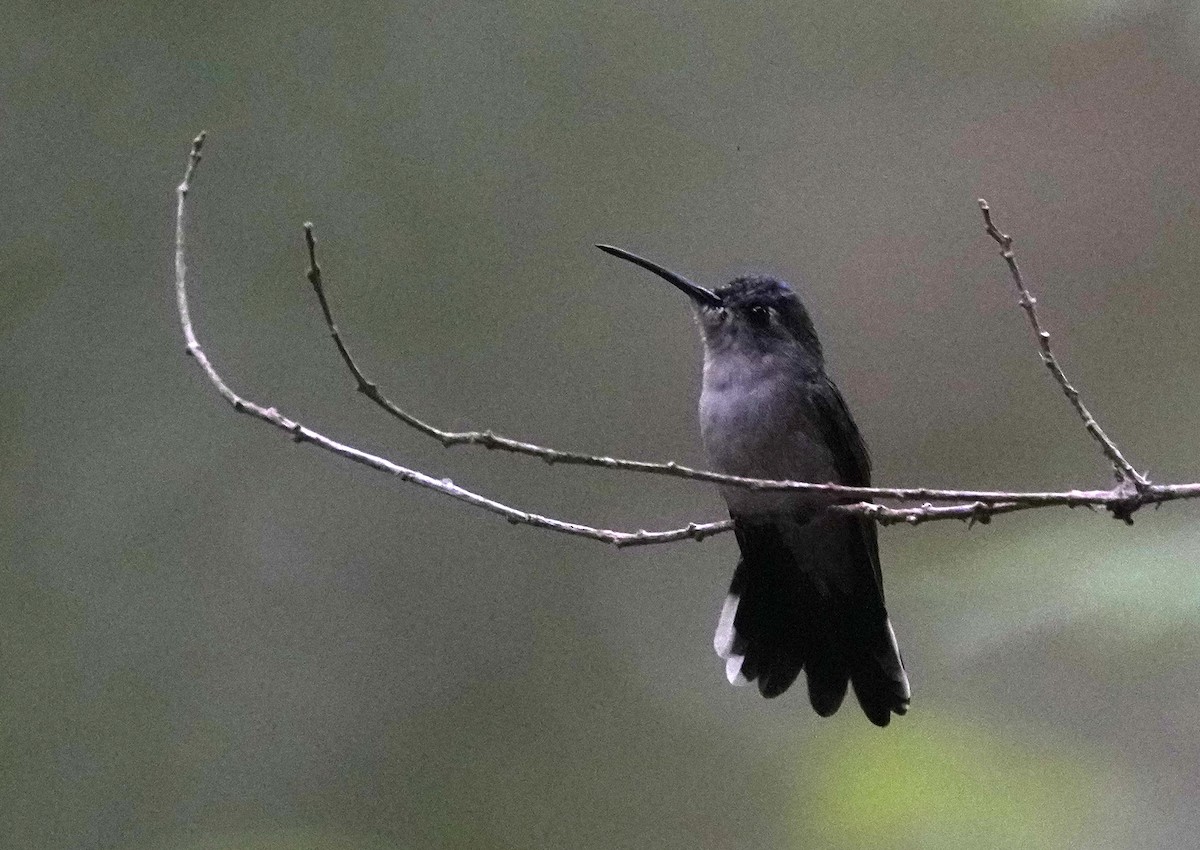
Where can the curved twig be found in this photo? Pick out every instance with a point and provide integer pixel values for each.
(977, 504)
(301, 434)
(1123, 468)
(974, 505)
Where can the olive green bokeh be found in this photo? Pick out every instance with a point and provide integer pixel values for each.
(213, 639)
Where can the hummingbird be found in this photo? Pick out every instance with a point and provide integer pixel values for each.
(807, 592)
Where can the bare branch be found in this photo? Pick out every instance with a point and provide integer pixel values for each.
(366, 387)
(1116, 500)
(1124, 468)
(973, 505)
(974, 512)
(301, 434)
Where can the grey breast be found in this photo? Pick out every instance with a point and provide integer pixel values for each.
(756, 421)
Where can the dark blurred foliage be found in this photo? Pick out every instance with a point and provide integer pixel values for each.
(212, 638)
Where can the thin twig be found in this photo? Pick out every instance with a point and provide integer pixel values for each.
(1112, 499)
(1123, 468)
(301, 434)
(975, 512)
(366, 387)
(977, 506)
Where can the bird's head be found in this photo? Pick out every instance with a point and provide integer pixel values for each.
(751, 314)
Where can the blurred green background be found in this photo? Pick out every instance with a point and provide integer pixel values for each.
(212, 638)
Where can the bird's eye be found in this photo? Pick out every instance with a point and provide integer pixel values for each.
(759, 315)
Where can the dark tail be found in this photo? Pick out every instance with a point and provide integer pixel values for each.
(807, 596)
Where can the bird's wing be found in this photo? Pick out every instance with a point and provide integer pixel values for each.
(850, 456)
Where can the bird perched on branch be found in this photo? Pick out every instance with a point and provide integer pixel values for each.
(807, 593)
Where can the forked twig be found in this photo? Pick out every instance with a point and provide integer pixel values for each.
(491, 440)
(301, 434)
(974, 506)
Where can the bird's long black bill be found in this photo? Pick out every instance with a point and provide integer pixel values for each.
(699, 294)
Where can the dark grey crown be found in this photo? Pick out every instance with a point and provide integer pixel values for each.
(751, 293)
